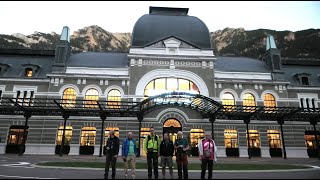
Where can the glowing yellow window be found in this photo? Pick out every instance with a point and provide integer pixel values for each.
(28, 72)
(106, 133)
(249, 100)
(231, 138)
(195, 136)
(228, 101)
(68, 135)
(114, 98)
(92, 96)
(254, 140)
(274, 138)
(69, 97)
(88, 136)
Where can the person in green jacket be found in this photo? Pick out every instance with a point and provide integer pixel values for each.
(151, 146)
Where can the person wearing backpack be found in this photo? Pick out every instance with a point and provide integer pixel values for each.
(207, 154)
(151, 146)
(129, 153)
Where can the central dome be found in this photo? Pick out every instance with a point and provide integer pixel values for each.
(162, 23)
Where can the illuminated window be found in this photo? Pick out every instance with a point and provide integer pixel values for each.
(269, 100)
(93, 96)
(28, 72)
(163, 85)
(253, 138)
(69, 97)
(88, 136)
(171, 123)
(310, 139)
(143, 134)
(248, 100)
(106, 133)
(228, 99)
(274, 138)
(16, 135)
(114, 95)
(195, 136)
(67, 137)
(231, 138)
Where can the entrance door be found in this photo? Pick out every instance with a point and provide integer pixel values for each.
(172, 126)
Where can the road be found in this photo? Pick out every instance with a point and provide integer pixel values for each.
(22, 167)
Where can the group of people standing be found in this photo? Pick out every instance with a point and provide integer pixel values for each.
(166, 149)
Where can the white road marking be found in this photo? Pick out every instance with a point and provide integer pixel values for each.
(20, 164)
(24, 177)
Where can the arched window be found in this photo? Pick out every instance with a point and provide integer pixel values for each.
(115, 96)
(163, 85)
(68, 135)
(93, 95)
(69, 97)
(228, 101)
(171, 123)
(249, 100)
(269, 100)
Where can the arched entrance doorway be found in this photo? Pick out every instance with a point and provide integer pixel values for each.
(172, 126)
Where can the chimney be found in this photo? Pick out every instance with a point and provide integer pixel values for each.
(62, 51)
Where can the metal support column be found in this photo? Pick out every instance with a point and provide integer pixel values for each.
(212, 119)
(140, 118)
(247, 121)
(65, 117)
(281, 122)
(27, 115)
(103, 117)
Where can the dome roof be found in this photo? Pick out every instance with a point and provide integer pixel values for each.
(162, 23)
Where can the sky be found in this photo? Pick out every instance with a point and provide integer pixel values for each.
(26, 17)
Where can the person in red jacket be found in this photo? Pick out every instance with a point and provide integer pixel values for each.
(207, 154)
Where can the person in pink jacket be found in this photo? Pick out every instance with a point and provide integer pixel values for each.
(207, 154)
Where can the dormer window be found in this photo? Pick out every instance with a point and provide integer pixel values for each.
(303, 78)
(3, 68)
(28, 72)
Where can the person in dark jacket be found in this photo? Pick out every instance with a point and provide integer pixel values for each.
(166, 153)
(112, 151)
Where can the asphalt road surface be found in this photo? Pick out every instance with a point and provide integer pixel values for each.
(14, 167)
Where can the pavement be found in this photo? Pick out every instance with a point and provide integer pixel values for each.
(14, 166)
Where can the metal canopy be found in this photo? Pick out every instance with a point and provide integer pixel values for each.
(207, 107)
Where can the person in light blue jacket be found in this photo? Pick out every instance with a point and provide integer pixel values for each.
(129, 153)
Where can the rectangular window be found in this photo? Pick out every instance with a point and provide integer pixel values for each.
(254, 141)
(25, 100)
(195, 136)
(274, 139)
(311, 140)
(312, 102)
(68, 135)
(0, 93)
(16, 135)
(88, 136)
(301, 103)
(31, 98)
(231, 138)
(28, 72)
(305, 81)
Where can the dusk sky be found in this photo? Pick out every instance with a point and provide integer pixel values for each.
(120, 16)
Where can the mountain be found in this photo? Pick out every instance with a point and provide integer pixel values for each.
(229, 41)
